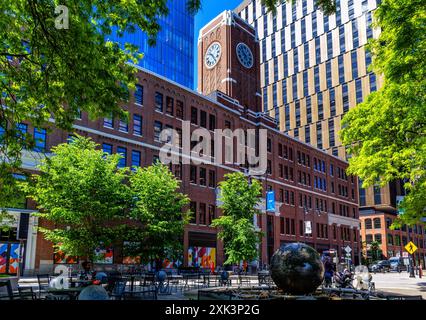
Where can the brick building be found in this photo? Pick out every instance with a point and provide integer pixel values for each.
(309, 184)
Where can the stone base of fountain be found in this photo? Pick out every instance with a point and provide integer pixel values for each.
(265, 293)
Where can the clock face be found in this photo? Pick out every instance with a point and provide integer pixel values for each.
(245, 56)
(212, 55)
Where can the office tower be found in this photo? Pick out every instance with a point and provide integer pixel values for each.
(173, 55)
(314, 68)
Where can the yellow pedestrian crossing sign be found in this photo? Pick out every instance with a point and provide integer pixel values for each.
(411, 247)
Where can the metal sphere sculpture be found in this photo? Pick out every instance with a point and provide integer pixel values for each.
(297, 269)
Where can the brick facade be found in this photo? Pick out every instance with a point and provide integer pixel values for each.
(296, 169)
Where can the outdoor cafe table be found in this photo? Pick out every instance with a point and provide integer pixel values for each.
(71, 292)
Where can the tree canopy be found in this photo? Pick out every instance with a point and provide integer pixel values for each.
(236, 228)
(386, 134)
(81, 192)
(160, 212)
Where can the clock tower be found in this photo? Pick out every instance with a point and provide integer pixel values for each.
(228, 60)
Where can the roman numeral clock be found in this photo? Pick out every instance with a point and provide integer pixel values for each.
(212, 55)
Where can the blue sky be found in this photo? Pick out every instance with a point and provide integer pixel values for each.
(210, 9)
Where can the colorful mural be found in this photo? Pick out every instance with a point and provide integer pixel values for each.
(61, 257)
(9, 257)
(3, 257)
(171, 264)
(128, 247)
(104, 255)
(202, 257)
(14, 257)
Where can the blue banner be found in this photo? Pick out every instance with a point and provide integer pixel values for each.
(270, 201)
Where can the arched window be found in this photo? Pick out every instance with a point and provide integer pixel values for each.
(368, 224)
(377, 223)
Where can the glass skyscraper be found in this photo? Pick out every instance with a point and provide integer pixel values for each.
(173, 54)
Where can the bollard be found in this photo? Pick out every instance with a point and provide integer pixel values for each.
(420, 271)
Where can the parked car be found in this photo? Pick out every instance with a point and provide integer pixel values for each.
(397, 264)
(380, 266)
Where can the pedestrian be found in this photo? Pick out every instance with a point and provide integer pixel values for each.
(328, 271)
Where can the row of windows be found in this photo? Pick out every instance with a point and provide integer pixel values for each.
(343, 31)
(39, 135)
(123, 125)
(287, 227)
(135, 155)
(320, 183)
(198, 175)
(331, 80)
(344, 101)
(376, 223)
(201, 119)
(204, 212)
(289, 13)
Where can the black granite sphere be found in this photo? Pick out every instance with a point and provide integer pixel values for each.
(297, 269)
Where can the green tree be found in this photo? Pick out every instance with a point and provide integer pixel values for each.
(159, 212)
(50, 69)
(375, 250)
(386, 134)
(80, 191)
(239, 199)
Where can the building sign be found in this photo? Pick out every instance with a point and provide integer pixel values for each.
(308, 227)
(270, 201)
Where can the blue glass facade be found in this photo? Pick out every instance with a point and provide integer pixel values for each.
(173, 54)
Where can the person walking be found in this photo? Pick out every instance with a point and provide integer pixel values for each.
(328, 271)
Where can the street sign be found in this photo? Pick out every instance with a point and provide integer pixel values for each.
(411, 247)
(348, 249)
(270, 201)
(405, 254)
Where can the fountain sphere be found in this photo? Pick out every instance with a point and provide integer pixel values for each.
(297, 269)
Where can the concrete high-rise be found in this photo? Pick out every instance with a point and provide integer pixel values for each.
(314, 68)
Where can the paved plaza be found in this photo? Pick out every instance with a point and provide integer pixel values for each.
(388, 283)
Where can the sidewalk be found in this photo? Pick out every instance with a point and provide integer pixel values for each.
(400, 283)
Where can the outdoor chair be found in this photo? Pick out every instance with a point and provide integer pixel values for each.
(163, 287)
(43, 283)
(244, 279)
(118, 289)
(212, 280)
(60, 297)
(26, 293)
(144, 293)
(6, 292)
